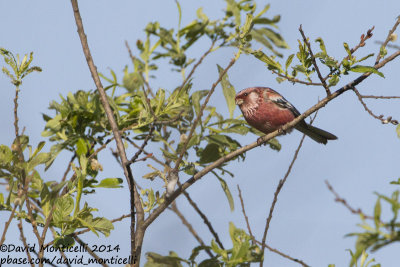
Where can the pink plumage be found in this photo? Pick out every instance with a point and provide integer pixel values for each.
(266, 110)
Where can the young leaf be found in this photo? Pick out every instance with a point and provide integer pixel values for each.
(229, 91)
(227, 192)
(110, 183)
(364, 69)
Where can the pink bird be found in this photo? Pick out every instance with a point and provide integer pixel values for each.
(266, 110)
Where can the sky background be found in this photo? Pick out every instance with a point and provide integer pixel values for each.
(307, 223)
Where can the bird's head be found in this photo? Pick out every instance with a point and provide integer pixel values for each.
(248, 96)
(248, 99)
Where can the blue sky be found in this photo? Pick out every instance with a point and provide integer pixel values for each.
(307, 223)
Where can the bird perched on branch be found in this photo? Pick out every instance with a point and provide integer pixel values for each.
(266, 110)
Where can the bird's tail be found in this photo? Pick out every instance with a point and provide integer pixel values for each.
(315, 133)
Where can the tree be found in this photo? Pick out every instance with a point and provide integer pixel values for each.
(191, 145)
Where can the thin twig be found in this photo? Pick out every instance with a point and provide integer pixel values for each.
(379, 97)
(344, 202)
(185, 222)
(91, 252)
(68, 168)
(277, 191)
(146, 140)
(137, 234)
(7, 224)
(328, 92)
(381, 117)
(23, 239)
(245, 216)
(282, 254)
(294, 80)
(388, 38)
(196, 65)
(44, 260)
(204, 217)
(156, 212)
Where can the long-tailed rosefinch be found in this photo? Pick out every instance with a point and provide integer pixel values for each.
(266, 110)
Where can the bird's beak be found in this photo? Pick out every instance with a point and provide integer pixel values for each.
(239, 101)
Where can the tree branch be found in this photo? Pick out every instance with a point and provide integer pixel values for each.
(328, 92)
(91, 252)
(204, 217)
(185, 222)
(388, 38)
(136, 238)
(277, 191)
(381, 117)
(283, 254)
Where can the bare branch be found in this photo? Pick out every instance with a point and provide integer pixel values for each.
(197, 64)
(388, 38)
(344, 202)
(384, 121)
(185, 222)
(91, 252)
(379, 97)
(282, 254)
(245, 216)
(204, 217)
(277, 191)
(137, 154)
(134, 196)
(294, 80)
(23, 239)
(7, 224)
(328, 92)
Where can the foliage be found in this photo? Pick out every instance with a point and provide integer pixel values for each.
(170, 120)
(242, 253)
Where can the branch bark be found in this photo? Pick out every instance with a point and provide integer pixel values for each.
(136, 235)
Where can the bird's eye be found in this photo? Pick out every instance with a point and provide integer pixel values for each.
(246, 94)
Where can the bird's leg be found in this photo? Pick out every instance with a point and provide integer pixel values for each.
(282, 131)
(260, 141)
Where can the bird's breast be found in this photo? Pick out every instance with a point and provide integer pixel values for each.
(268, 117)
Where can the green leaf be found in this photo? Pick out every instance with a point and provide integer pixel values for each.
(210, 153)
(346, 47)
(398, 130)
(228, 90)
(248, 25)
(5, 155)
(81, 147)
(275, 37)
(64, 207)
(64, 242)
(334, 80)
(40, 158)
(227, 192)
(289, 61)
(110, 183)
(321, 44)
(196, 97)
(364, 69)
(157, 260)
(377, 212)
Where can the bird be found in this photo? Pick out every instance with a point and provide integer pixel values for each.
(266, 110)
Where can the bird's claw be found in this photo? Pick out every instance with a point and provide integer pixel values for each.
(260, 141)
(282, 131)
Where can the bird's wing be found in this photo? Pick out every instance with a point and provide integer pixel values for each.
(283, 103)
